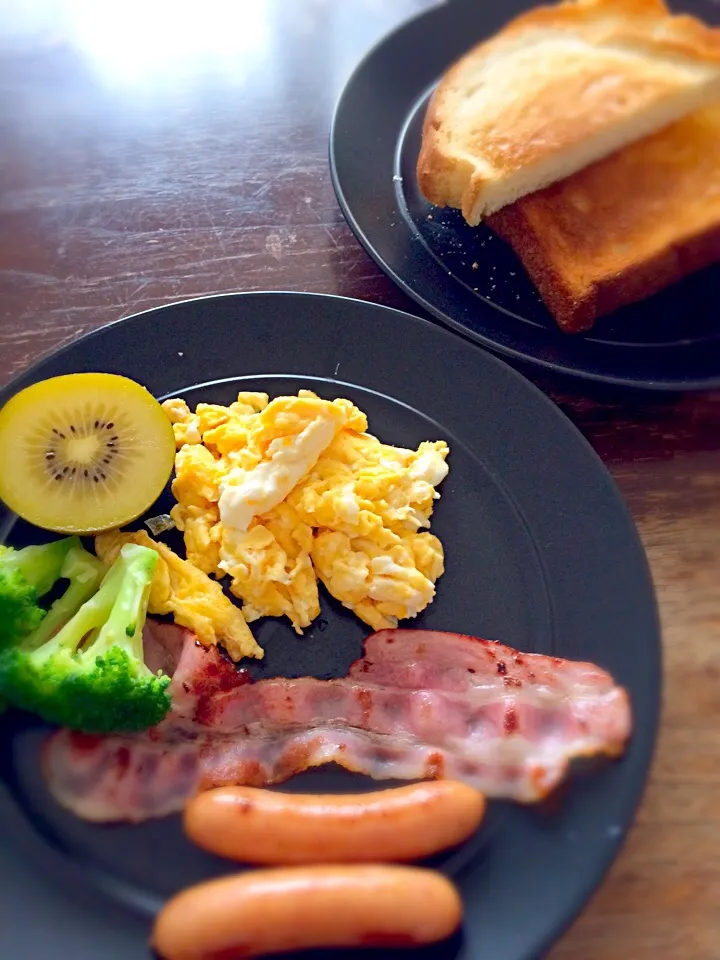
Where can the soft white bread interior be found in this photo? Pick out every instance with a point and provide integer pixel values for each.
(556, 90)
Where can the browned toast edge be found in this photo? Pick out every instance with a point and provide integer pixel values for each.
(576, 313)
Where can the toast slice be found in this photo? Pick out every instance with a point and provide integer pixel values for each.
(556, 90)
(625, 227)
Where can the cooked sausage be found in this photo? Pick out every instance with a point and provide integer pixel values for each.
(266, 827)
(296, 908)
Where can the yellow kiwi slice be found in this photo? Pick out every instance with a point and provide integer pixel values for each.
(83, 453)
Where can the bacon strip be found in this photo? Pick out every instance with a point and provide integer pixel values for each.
(419, 704)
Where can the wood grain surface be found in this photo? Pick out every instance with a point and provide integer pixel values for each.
(148, 157)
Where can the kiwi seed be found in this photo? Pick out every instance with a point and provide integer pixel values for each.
(82, 450)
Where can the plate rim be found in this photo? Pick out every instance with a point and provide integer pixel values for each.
(605, 861)
(443, 10)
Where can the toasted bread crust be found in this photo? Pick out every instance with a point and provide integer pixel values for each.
(647, 23)
(624, 228)
(554, 83)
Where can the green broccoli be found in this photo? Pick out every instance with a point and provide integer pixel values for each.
(85, 573)
(89, 674)
(25, 576)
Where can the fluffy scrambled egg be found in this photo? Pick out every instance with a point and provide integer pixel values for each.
(278, 493)
(196, 601)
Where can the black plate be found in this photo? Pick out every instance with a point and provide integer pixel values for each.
(467, 277)
(541, 553)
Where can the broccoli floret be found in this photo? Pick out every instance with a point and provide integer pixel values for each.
(25, 576)
(90, 675)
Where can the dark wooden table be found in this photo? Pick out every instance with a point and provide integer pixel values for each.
(147, 157)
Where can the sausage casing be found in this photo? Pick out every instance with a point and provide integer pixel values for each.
(298, 908)
(397, 825)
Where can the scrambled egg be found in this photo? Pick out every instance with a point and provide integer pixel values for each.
(196, 601)
(278, 493)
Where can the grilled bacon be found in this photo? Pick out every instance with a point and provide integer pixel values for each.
(419, 704)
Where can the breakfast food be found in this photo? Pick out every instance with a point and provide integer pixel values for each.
(557, 89)
(297, 908)
(623, 228)
(277, 494)
(83, 452)
(194, 600)
(267, 827)
(280, 495)
(419, 704)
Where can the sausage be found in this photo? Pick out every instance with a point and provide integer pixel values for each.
(266, 827)
(297, 908)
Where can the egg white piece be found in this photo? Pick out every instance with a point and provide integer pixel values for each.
(245, 494)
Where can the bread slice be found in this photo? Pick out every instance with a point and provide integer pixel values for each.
(557, 89)
(625, 227)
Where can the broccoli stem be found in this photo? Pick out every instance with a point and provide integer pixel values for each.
(40, 565)
(84, 571)
(91, 614)
(113, 612)
(130, 607)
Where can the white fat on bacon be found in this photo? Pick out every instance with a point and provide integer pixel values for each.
(419, 704)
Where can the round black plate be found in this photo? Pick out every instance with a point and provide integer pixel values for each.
(540, 551)
(467, 277)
